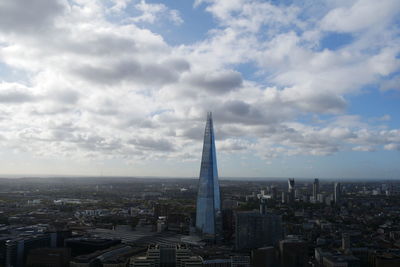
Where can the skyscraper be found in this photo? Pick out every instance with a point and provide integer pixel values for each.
(208, 208)
(315, 189)
(291, 190)
(337, 193)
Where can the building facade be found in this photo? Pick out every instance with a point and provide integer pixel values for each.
(208, 208)
(255, 230)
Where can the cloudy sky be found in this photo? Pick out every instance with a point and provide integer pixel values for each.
(121, 87)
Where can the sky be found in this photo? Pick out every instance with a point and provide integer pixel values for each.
(302, 88)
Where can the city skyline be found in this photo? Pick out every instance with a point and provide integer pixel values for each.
(121, 87)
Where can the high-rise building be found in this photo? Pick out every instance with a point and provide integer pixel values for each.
(293, 252)
(315, 189)
(337, 192)
(291, 190)
(254, 230)
(208, 208)
(274, 192)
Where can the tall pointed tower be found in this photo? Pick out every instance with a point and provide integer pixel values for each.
(208, 207)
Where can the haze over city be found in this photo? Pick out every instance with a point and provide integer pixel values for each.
(122, 87)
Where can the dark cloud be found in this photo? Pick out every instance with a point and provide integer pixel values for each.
(99, 45)
(217, 82)
(28, 16)
(238, 107)
(152, 144)
(147, 73)
(194, 133)
(322, 102)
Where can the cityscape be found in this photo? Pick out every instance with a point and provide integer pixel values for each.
(199, 133)
(187, 222)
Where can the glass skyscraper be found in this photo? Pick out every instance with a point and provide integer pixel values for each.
(208, 208)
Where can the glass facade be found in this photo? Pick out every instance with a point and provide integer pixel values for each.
(208, 197)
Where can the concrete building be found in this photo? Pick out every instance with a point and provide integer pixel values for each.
(240, 261)
(254, 230)
(167, 256)
(264, 257)
(293, 252)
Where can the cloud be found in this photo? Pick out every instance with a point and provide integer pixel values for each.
(152, 144)
(29, 16)
(14, 93)
(360, 16)
(150, 13)
(392, 146)
(147, 73)
(216, 82)
(391, 84)
(98, 82)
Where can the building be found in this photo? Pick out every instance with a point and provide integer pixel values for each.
(255, 230)
(217, 263)
(208, 215)
(264, 257)
(55, 257)
(83, 246)
(345, 241)
(291, 190)
(17, 249)
(240, 261)
(315, 189)
(274, 192)
(167, 256)
(341, 261)
(384, 258)
(293, 252)
(337, 193)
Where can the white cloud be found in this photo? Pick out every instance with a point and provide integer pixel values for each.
(102, 89)
(363, 14)
(150, 13)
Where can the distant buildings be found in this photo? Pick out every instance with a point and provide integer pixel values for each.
(208, 214)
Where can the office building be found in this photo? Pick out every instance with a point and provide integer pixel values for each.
(240, 261)
(337, 193)
(254, 230)
(291, 190)
(167, 256)
(315, 189)
(208, 214)
(293, 252)
(55, 257)
(17, 249)
(264, 257)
